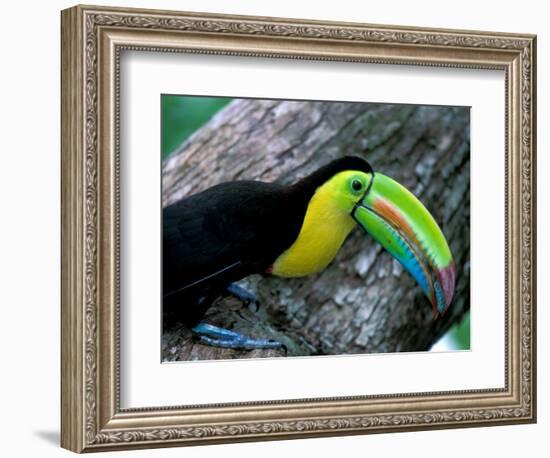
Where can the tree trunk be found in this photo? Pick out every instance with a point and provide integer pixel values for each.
(364, 302)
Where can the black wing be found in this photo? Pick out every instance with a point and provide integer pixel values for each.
(225, 233)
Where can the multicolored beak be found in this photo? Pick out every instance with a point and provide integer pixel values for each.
(397, 220)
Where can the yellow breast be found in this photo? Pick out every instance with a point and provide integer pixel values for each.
(324, 230)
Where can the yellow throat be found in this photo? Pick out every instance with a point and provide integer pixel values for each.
(324, 229)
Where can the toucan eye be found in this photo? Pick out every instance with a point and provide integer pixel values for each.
(356, 185)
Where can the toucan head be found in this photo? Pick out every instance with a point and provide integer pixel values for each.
(399, 222)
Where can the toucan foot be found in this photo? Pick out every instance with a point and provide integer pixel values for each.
(224, 338)
(243, 294)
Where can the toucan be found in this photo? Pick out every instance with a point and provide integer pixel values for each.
(218, 236)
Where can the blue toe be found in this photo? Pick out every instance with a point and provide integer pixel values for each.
(241, 293)
(224, 338)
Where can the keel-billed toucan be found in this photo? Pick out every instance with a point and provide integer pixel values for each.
(236, 229)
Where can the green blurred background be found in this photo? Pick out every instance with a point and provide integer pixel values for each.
(181, 115)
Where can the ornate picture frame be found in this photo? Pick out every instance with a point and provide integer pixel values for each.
(93, 39)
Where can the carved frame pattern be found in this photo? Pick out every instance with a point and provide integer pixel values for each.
(91, 416)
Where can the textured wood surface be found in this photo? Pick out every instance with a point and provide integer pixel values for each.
(364, 302)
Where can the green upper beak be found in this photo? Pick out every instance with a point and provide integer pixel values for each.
(397, 220)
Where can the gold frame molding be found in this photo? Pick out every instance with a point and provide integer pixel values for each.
(92, 40)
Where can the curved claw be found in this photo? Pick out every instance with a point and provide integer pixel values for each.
(244, 295)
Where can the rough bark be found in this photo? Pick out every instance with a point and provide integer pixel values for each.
(363, 302)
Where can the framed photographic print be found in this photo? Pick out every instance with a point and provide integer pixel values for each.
(277, 228)
(307, 293)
